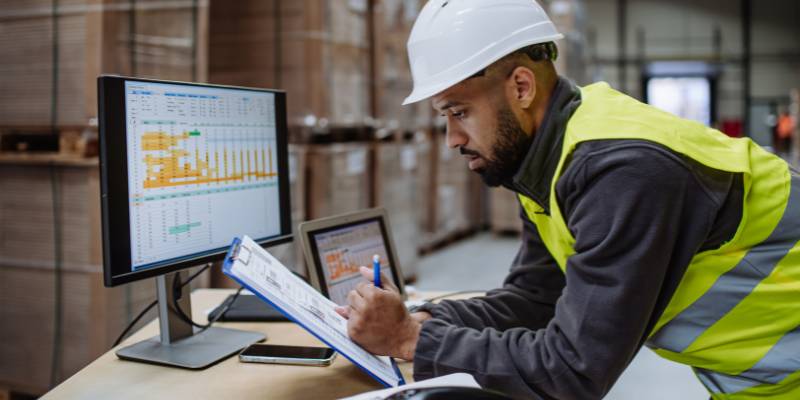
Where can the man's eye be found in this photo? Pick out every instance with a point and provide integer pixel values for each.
(459, 114)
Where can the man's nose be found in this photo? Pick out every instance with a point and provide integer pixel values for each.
(455, 137)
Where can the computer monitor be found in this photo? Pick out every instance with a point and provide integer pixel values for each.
(184, 169)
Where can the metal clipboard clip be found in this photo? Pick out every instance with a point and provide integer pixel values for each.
(241, 253)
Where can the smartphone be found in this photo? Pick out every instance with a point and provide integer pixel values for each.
(274, 354)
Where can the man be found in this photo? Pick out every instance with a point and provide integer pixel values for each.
(639, 228)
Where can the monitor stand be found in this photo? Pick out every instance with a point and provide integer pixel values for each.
(179, 344)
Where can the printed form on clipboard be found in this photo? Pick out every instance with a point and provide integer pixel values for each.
(261, 273)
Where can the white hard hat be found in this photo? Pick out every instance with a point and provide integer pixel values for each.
(455, 39)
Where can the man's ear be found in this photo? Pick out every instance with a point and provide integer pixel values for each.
(523, 85)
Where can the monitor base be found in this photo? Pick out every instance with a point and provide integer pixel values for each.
(198, 351)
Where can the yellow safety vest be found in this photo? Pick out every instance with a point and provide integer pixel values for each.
(735, 316)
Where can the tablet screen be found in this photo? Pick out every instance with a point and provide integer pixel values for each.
(341, 250)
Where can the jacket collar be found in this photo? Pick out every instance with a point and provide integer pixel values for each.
(535, 175)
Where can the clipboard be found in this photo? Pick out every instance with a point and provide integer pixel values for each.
(254, 268)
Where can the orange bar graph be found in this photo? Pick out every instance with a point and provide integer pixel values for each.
(169, 162)
(338, 267)
(216, 170)
(263, 161)
(241, 161)
(249, 171)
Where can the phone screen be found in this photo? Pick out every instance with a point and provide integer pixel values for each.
(268, 350)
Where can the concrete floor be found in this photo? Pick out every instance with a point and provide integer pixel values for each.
(481, 263)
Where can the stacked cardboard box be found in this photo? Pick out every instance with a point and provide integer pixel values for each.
(169, 40)
(393, 20)
(450, 198)
(26, 214)
(319, 52)
(426, 180)
(504, 211)
(338, 179)
(93, 315)
(316, 50)
(90, 39)
(244, 43)
(26, 48)
(395, 188)
(478, 203)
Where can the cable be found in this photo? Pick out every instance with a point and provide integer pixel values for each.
(124, 333)
(185, 318)
(150, 306)
(55, 188)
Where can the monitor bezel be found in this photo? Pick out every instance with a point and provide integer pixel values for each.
(117, 267)
(307, 230)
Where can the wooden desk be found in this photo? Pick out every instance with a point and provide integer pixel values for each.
(109, 377)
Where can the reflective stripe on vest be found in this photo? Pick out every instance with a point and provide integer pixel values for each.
(735, 315)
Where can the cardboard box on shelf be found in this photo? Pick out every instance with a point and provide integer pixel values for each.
(92, 315)
(392, 21)
(450, 192)
(60, 52)
(325, 61)
(426, 180)
(504, 211)
(395, 189)
(27, 50)
(478, 202)
(316, 50)
(338, 179)
(244, 40)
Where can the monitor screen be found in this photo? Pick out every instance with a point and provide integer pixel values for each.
(185, 168)
(201, 169)
(341, 250)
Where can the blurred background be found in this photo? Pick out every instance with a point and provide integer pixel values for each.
(733, 65)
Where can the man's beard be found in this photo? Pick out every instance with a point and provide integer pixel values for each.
(508, 151)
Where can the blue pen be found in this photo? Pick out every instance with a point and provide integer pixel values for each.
(376, 270)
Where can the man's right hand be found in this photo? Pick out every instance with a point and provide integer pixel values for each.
(378, 320)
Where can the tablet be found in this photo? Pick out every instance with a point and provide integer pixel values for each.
(336, 247)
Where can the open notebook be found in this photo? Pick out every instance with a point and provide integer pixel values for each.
(261, 273)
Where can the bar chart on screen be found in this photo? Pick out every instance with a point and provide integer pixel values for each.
(346, 249)
(196, 161)
(211, 156)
